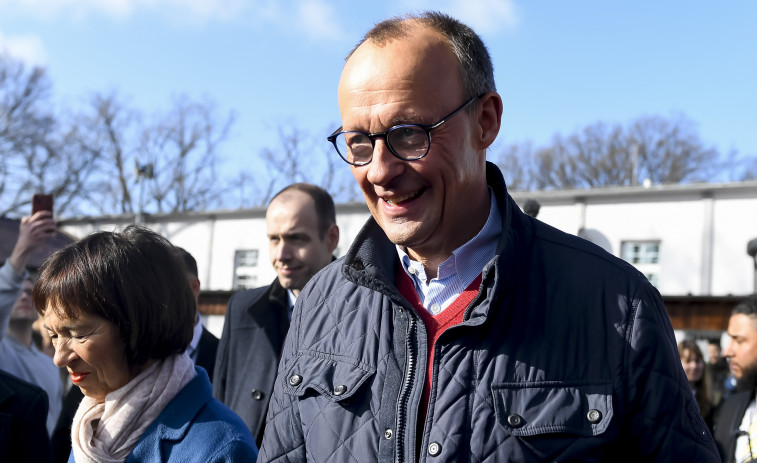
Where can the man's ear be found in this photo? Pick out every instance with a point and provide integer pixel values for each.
(489, 114)
(332, 237)
(194, 285)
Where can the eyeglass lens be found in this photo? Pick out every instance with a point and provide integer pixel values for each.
(406, 141)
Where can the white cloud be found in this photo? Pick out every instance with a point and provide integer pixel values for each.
(317, 20)
(314, 20)
(28, 48)
(204, 10)
(196, 11)
(487, 16)
(484, 16)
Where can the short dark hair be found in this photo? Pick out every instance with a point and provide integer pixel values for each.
(189, 261)
(476, 68)
(133, 279)
(324, 204)
(746, 307)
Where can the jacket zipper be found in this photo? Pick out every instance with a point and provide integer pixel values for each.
(404, 397)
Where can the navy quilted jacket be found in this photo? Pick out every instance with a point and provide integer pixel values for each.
(567, 354)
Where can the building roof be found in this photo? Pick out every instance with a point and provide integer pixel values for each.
(640, 193)
(545, 197)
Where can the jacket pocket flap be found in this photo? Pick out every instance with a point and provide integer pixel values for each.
(327, 375)
(541, 407)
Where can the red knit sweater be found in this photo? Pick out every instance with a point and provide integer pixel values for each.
(435, 325)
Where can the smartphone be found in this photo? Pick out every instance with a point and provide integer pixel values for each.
(42, 203)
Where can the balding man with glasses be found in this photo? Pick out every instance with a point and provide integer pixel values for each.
(457, 328)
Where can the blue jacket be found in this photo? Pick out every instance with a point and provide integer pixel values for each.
(566, 354)
(195, 427)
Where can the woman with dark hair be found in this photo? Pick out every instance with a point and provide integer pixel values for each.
(120, 313)
(692, 362)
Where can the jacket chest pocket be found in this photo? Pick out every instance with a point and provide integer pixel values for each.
(330, 377)
(334, 413)
(582, 409)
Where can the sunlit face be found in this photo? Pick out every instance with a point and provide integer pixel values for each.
(296, 249)
(434, 204)
(90, 349)
(693, 365)
(24, 309)
(742, 349)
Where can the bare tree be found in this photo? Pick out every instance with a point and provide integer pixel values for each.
(300, 157)
(179, 149)
(516, 162)
(39, 154)
(661, 150)
(751, 171)
(183, 148)
(110, 128)
(670, 151)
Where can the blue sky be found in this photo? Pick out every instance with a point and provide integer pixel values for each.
(559, 65)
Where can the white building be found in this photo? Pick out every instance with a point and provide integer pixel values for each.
(688, 239)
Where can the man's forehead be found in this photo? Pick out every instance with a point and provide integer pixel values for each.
(398, 82)
(419, 47)
(742, 324)
(408, 30)
(292, 210)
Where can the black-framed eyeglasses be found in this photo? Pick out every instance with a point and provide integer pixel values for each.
(408, 142)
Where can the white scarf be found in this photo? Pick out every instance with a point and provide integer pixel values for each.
(107, 432)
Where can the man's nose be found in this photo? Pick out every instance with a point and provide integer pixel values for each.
(727, 351)
(282, 251)
(384, 165)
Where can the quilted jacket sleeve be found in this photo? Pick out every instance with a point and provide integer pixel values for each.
(10, 288)
(283, 440)
(664, 421)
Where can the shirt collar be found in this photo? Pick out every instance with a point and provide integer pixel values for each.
(292, 300)
(467, 261)
(196, 335)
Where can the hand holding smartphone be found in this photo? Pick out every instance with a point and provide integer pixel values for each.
(42, 202)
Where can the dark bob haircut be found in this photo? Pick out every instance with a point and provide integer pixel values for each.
(134, 279)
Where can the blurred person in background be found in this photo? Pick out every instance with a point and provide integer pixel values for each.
(717, 371)
(204, 346)
(735, 427)
(692, 362)
(120, 313)
(19, 355)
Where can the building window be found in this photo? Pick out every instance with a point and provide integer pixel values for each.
(245, 269)
(645, 256)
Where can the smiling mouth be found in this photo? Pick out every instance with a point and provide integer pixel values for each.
(399, 199)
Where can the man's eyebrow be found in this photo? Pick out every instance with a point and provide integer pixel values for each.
(294, 234)
(399, 119)
(407, 118)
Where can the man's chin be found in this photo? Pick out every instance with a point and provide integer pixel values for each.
(290, 283)
(747, 381)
